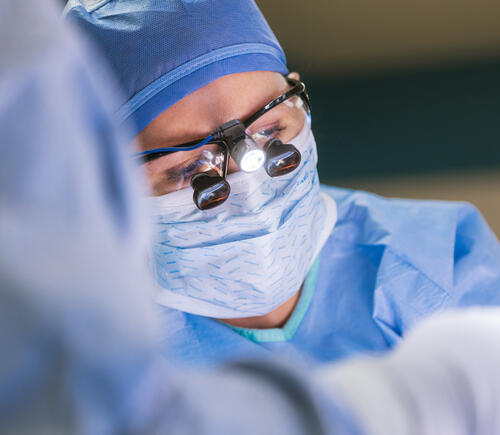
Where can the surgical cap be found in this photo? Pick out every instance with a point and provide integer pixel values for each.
(163, 50)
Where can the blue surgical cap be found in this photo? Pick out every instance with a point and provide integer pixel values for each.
(163, 50)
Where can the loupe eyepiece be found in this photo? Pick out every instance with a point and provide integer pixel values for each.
(281, 159)
(210, 190)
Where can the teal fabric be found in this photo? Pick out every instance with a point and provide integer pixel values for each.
(288, 331)
(387, 264)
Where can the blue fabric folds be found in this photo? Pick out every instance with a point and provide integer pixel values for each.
(163, 50)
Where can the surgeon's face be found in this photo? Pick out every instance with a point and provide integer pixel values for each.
(235, 96)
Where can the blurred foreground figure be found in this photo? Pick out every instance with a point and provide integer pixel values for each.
(444, 379)
(77, 329)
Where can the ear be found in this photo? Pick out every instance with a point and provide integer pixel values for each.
(294, 75)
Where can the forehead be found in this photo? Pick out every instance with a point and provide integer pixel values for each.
(235, 96)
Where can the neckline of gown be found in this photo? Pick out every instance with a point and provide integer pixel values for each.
(286, 332)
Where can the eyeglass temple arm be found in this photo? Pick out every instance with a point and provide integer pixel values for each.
(298, 89)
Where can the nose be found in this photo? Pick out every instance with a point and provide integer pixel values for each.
(232, 166)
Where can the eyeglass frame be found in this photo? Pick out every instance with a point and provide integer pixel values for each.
(217, 137)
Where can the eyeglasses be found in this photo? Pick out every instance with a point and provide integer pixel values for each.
(260, 140)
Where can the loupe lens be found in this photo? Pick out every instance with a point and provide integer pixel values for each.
(281, 159)
(210, 190)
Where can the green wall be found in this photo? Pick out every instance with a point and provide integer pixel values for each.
(420, 121)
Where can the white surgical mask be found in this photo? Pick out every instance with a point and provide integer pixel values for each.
(252, 253)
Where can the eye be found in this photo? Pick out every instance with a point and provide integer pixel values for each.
(268, 133)
(195, 164)
(271, 132)
(180, 173)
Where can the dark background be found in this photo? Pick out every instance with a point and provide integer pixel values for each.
(405, 122)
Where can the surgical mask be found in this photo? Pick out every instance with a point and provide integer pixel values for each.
(250, 255)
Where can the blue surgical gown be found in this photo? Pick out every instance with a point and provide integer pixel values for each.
(387, 264)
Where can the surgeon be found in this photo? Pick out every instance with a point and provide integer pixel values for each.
(252, 256)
